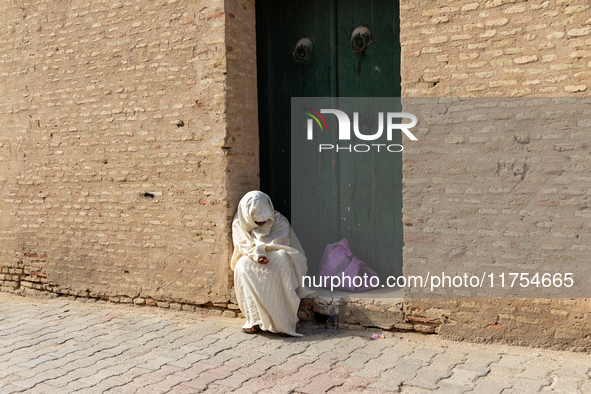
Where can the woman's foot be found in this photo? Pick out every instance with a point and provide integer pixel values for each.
(252, 330)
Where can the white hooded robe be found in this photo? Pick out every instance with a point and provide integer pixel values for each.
(268, 294)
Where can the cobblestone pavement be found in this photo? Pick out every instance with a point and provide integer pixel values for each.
(61, 346)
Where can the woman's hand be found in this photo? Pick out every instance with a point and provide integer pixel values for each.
(263, 260)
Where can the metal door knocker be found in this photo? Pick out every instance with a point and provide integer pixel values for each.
(303, 50)
(360, 39)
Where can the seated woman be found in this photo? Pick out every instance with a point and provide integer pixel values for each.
(268, 264)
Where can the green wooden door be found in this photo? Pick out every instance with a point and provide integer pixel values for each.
(332, 69)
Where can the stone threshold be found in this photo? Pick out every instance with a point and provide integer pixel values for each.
(382, 308)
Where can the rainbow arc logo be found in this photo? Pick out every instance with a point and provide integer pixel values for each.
(315, 116)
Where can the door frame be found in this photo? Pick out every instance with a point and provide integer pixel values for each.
(265, 159)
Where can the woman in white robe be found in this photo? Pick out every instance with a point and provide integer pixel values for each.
(268, 264)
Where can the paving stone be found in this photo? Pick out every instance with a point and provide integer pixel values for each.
(354, 384)
(157, 362)
(42, 388)
(174, 354)
(408, 390)
(12, 389)
(308, 371)
(225, 333)
(319, 385)
(512, 361)
(407, 368)
(11, 370)
(250, 357)
(148, 378)
(257, 385)
(130, 375)
(478, 362)
(392, 379)
(426, 379)
(446, 388)
(267, 347)
(180, 389)
(389, 358)
(59, 354)
(500, 375)
(209, 376)
(29, 373)
(98, 377)
(423, 354)
(526, 386)
(389, 382)
(9, 380)
(74, 386)
(338, 372)
(282, 387)
(292, 365)
(445, 362)
(564, 384)
(119, 349)
(188, 360)
(39, 378)
(539, 368)
(322, 347)
(575, 368)
(285, 352)
(38, 360)
(361, 356)
(462, 377)
(586, 387)
(219, 359)
(194, 371)
(163, 386)
(130, 388)
(221, 345)
(179, 343)
(358, 360)
(240, 376)
(215, 388)
(343, 350)
(204, 380)
(122, 366)
(487, 387)
(103, 386)
(64, 380)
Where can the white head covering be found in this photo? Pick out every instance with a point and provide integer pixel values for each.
(248, 236)
(275, 234)
(256, 206)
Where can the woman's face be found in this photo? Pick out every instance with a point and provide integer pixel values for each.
(259, 223)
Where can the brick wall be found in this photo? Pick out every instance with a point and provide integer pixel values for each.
(117, 146)
(496, 48)
(473, 200)
(242, 148)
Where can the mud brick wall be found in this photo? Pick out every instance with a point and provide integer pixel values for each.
(116, 148)
(242, 141)
(498, 48)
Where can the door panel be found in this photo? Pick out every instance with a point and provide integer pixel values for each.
(279, 26)
(373, 225)
(357, 196)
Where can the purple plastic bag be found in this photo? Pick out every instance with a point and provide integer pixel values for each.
(338, 260)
